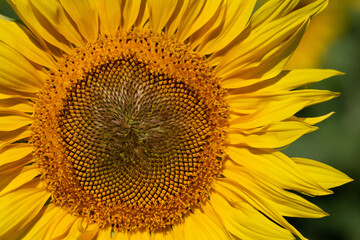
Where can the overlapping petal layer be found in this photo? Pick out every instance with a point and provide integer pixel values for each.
(248, 52)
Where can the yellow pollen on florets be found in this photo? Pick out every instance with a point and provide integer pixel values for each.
(129, 131)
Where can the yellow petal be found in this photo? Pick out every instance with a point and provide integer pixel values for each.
(273, 106)
(269, 113)
(47, 223)
(26, 174)
(325, 175)
(203, 223)
(19, 93)
(17, 73)
(110, 15)
(139, 235)
(43, 30)
(87, 230)
(312, 120)
(277, 168)
(132, 11)
(313, 96)
(237, 14)
(292, 79)
(232, 194)
(286, 80)
(104, 234)
(86, 23)
(176, 231)
(273, 62)
(11, 120)
(118, 235)
(14, 152)
(8, 137)
(275, 9)
(271, 10)
(57, 17)
(213, 24)
(7, 176)
(285, 203)
(209, 223)
(192, 229)
(160, 12)
(256, 44)
(19, 208)
(245, 222)
(67, 228)
(275, 135)
(16, 103)
(197, 14)
(174, 21)
(267, 50)
(11, 32)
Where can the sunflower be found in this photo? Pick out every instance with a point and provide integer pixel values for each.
(156, 120)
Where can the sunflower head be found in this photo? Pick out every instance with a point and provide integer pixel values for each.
(153, 119)
(128, 138)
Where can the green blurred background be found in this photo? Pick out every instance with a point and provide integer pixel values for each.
(332, 41)
(337, 142)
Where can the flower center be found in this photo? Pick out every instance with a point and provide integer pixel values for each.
(144, 133)
(129, 131)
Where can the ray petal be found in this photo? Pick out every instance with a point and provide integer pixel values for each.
(8, 137)
(11, 32)
(26, 174)
(197, 14)
(255, 111)
(291, 79)
(13, 154)
(15, 103)
(17, 73)
(275, 135)
(239, 180)
(19, 208)
(244, 222)
(40, 26)
(10, 121)
(132, 12)
(160, 12)
(277, 168)
(87, 24)
(174, 21)
(110, 16)
(257, 43)
(57, 17)
(325, 175)
(49, 220)
(237, 14)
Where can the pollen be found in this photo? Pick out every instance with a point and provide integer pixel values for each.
(129, 131)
